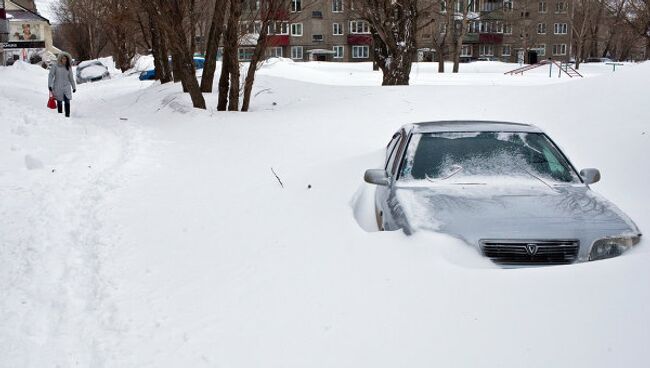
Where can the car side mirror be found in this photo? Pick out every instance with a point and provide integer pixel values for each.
(377, 176)
(590, 176)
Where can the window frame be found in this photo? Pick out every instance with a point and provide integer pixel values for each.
(336, 54)
(366, 52)
(296, 6)
(302, 53)
(334, 7)
(292, 30)
(338, 25)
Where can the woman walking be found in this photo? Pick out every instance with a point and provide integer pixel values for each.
(61, 82)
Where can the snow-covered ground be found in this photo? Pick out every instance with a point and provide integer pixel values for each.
(143, 233)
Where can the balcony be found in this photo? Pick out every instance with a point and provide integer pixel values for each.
(490, 38)
(359, 39)
(471, 38)
(278, 40)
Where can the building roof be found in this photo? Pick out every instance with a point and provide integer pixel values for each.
(472, 126)
(21, 15)
(24, 13)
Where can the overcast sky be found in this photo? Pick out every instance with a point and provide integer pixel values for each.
(43, 7)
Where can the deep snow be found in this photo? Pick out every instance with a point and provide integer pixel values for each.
(143, 233)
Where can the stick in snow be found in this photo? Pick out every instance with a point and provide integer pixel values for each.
(277, 177)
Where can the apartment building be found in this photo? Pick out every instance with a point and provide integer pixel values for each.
(331, 30)
(319, 30)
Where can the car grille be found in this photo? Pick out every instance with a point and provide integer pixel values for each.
(533, 252)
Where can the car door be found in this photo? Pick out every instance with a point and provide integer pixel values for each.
(382, 193)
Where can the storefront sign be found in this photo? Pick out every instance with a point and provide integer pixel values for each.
(23, 45)
(20, 31)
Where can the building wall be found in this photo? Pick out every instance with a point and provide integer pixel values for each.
(501, 28)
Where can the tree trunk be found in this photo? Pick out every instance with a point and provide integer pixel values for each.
(232, 41)
(224, 82)
(457, 50)
(176, 70)
(183, 62)
(394, 41)
(441, 60)
(258, 55)
(158, 50)
(216, 29)
(396, 68)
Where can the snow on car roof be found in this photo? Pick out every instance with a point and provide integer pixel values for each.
(471, 125)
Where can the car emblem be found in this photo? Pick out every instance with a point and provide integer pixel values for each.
(531, 249)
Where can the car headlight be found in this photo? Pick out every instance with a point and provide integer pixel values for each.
(612, 247)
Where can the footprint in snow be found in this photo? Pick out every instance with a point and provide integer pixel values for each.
(32, 163)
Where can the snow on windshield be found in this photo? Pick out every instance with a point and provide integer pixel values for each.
(460, 155)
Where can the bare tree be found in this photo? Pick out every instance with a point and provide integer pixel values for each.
(465, 11)
(80, 26)
(172, 17)
(214, 37)
(229, 78)
(393, 24)
(267, 16)
(442, 26)
(583, 16)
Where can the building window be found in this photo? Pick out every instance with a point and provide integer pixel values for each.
(473, 6)
(560, 7)
(540, 49)
(337, 6)
(296, 52)
(296, 29)
(317, 38)
(359, 26)
(542, 6)
(559, 49)
(296, 5)
(245, 53)
(274, 52)
(541, 28)
(253, 5)
(507, 29)
(499, 27)
(486, 50)
(466, 50)
(506, 50)
(360, 52)
(338, 52)
(337, 29)
(508, 5)
(560, 28)
(280, 28)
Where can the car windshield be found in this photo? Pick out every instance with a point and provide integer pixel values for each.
(440, 156)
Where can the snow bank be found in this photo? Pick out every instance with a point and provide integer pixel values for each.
(163, 238)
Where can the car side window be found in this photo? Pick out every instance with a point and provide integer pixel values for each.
(390, 148)
(393, 154)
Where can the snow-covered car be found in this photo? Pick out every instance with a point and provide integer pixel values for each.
(91, 71)
(505, 188)
(150, 74)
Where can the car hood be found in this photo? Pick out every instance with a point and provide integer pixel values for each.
(521, 209)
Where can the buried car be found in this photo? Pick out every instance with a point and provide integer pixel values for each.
(92, 71)
(505, 188)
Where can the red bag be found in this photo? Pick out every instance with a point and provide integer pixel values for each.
(51, 103)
